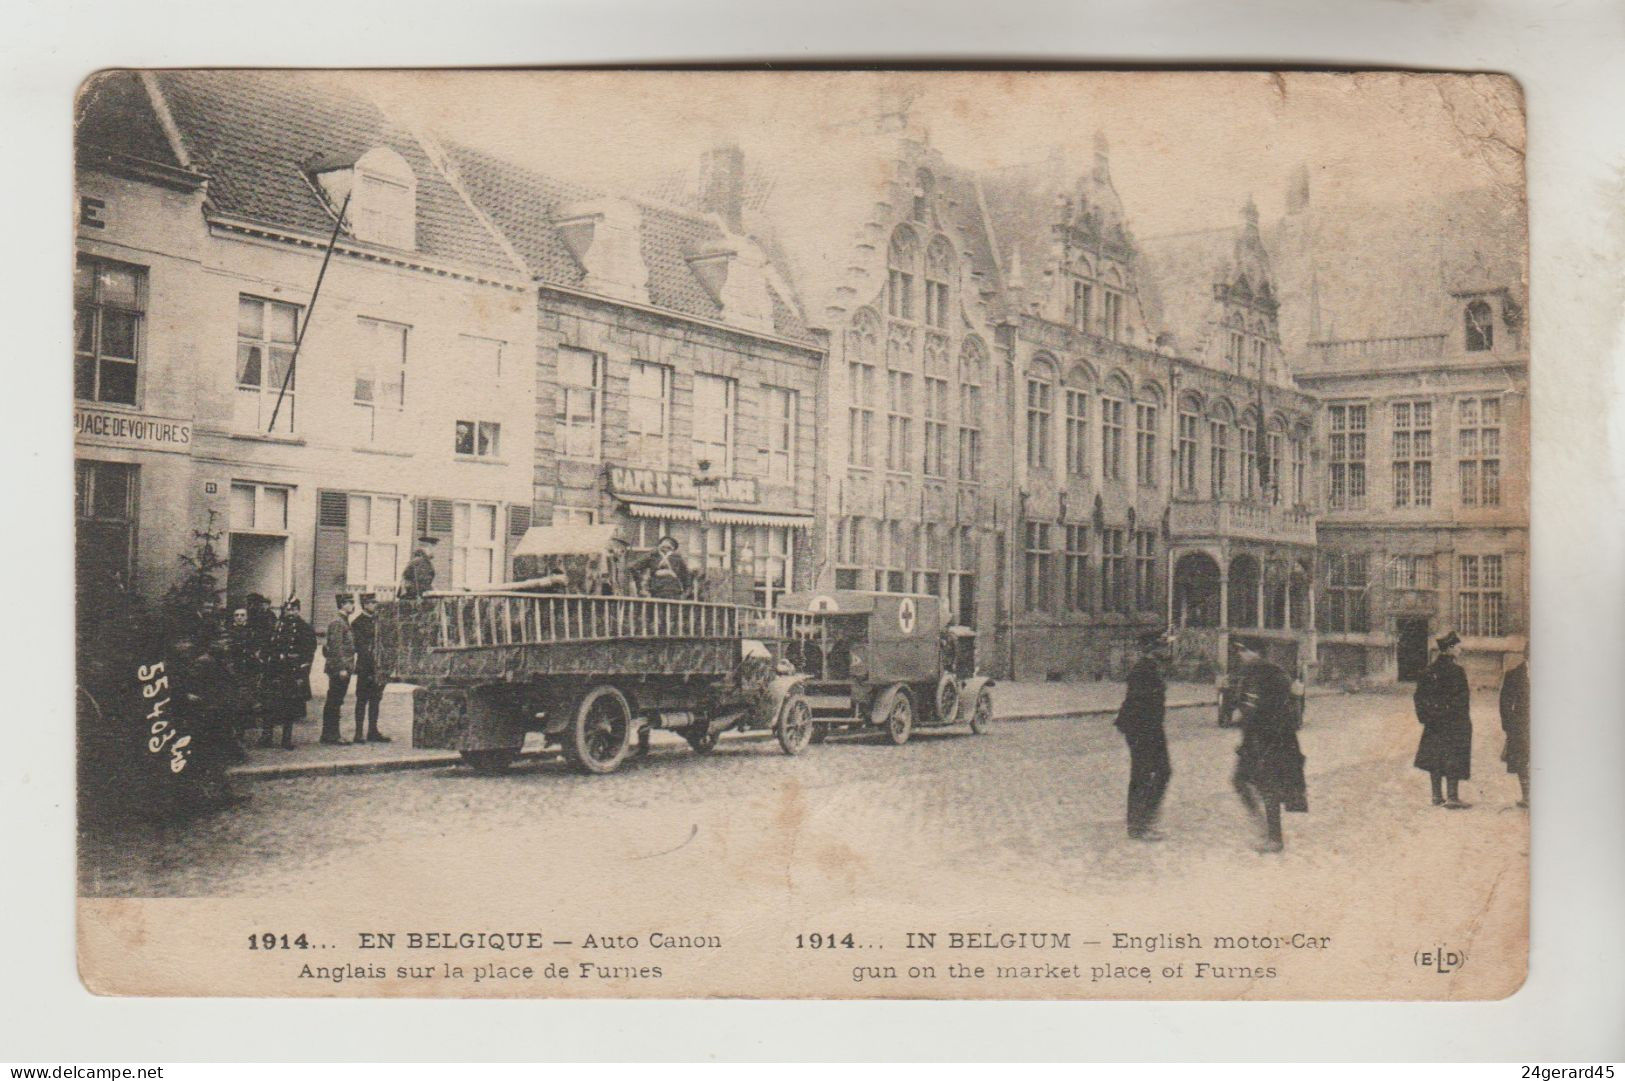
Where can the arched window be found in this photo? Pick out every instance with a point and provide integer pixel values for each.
(1190, 428)
(863, 347)
(903, 260)
(1270, 475)
(1111, 306)
(1040, 411)
(1249, 455)
(1147, 410)
(1079, 384)
(939, 269)
(972, 372)
(1480, 323)
(1113, 406)
(1219, 424)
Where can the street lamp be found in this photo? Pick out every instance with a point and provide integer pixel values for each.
(703, 483)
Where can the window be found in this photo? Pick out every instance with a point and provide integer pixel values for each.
(474, 545)
(1345, 452)
(963, 583)
(851, 552)
(1082, 304)
(1260, 349)
(1145, 445)
(376, 539)
(1480, 327)
(1249, 462)
(579, 412)
(899, 436)
(714, 399)
(587, 516)
(1478, 447)
(384, 208)
(936, 427)
(1145, 569)
(1298, 454)
(482, 359)
(266, 334)
(920, 210)
(648, 414)
(779, 435)
(259, 508)
(1218, 458)
(1413, 453)
(1185, 452)
(861, 344)
(1076, 569)
(380, 377)
(1038, 556)
(1272, 466)
(1077, 433)
(771, 569)
(971, 360)
(1111, 438)
(1411, 572)
(1343, 600)
(1113, 572)
(1111, 314)
(109, 307)
(896, 557)
(104, 533)
(1478, 597)
(939, 265)
(904, 255)
(1040, 405)
(478, 439)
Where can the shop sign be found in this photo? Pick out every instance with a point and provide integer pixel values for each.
(120, 429)
(660, 485)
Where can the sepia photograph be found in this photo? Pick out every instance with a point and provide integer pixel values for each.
(830, 534)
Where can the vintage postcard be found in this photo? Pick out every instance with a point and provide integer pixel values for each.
(813, 534)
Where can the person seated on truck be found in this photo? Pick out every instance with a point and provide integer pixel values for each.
(663, 572)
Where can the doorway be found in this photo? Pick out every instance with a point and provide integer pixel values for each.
(1412, 648)
(258, 563)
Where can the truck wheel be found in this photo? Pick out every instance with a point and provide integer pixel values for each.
(981, 719)
(703, 740)
(598, 738)
(899, 718)
(796, 726)
(947, 698)
(488, 762)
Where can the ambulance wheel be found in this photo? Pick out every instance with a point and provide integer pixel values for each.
(947, 698)
(598, 739)
(796, 726)
(899, 717)
(488, 762)
(981, 718)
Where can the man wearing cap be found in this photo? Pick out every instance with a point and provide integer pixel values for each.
(418, 578)
(1140, 720)
(369, 688)
(1445, 751)
(1269, 763)
(287, 673)
(663, 572)
(340, 654)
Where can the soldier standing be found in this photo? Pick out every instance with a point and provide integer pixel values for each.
(1515, 723)
(369, 687)
(1445, 751)
(1269, 764)
(418, 578)
(664, 573)
(1140, 720)
(340, 664)
(287, 673)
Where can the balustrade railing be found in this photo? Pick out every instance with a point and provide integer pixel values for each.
(479, 620)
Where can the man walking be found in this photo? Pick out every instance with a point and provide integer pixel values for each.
(1445, 751)
(369, 687)
(340, 654)
(1515, 723)
(418, 578)
(287, 673)
(1269, 764)
(1140, 720)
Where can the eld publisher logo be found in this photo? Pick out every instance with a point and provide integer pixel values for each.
(1441, 959)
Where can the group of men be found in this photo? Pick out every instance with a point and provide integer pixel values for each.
(259, 667)
(351, 653)
(1269, 775)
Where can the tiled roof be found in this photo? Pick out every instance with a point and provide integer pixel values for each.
(524, 203)
(113, 112)
(258, 133)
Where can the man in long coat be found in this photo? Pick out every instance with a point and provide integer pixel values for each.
(1445, 752)
(369, 687)
(1140, 720)
(1269, 764)
(339, 652)
(287, 673)
(1515, 723)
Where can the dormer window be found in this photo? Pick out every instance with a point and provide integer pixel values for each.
(1480, 326)
(382, 191)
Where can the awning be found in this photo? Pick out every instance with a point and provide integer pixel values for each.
(565, 540)
(678, 513)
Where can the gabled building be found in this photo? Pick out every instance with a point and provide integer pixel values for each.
(207, 200)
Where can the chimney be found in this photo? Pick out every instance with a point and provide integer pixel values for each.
(722, 184)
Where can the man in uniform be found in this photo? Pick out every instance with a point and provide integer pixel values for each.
(1269, 764)
(1515, 723)
(287, 673)
(369, 687)
(418, 578)
(1442, 701)
(663, 572)
(340, 664)
(1140, 720)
